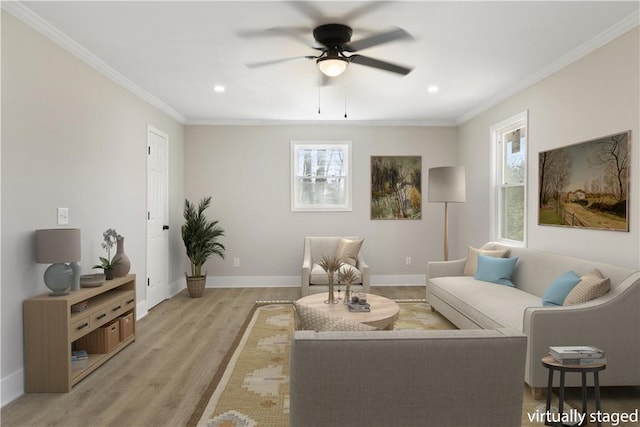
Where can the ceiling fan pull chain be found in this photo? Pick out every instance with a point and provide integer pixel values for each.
(345, 93)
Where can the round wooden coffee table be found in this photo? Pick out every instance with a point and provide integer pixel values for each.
(382, 315)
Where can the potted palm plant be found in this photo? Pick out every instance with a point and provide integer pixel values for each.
(200, 237)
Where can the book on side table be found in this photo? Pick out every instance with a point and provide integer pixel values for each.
(356, 306)
(578, 355)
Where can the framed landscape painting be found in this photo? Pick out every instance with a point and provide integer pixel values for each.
(586, 185)
(396, 187)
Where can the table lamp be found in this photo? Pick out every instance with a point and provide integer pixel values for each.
(58, 247)
(446, 184)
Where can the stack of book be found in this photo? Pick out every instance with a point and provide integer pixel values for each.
(81, 306)
(578, 355)
(79, 359)
(359, 307)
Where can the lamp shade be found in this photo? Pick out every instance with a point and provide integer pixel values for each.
(447, 184)
(58, 245)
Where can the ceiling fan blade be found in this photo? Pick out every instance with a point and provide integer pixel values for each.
(277, 61)
(363, 10)
(295, 33)
(309, 10)
(377, 39)
(314, 13)
(382, 65)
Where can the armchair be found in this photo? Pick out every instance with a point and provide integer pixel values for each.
(314, 278)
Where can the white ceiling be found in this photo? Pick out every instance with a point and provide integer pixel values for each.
(477, 53)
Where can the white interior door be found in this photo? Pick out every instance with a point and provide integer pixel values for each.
(157, 217)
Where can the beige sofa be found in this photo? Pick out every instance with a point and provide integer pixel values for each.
(407, 378)
(314, 279)
(610, 322)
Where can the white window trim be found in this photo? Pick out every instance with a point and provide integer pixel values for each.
(512, 123)
(297, 145)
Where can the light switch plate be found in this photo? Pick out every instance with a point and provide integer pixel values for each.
(63, 216)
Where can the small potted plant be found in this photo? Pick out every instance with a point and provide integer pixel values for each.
(200, 237)
(110, 238)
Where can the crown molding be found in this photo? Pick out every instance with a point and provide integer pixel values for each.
(24, 14)
(34, 21)
(622, 27)
(333, 123)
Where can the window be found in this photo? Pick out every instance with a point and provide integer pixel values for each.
(320, 176)
(509, 167)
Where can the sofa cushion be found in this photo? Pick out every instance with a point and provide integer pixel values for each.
(483, 302)
(495, 270)
(471, 264)
(558, 290)
(591, 286)
(320, 277)
(348, 250)
(310, 319)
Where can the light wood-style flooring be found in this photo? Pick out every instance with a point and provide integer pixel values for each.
(159, 379)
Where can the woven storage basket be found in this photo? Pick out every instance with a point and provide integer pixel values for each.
(102, 340)
(195, 285)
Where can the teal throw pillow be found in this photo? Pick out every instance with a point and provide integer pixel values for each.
(495, 270)
(558, 290)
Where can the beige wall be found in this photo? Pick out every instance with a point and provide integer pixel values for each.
(70, 138)
(246, 170)
(595, 96)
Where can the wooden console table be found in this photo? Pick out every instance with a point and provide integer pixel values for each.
(51, 329)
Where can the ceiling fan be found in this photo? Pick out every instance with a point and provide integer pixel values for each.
(337, 51)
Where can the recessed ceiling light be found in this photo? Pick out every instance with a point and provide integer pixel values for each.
(219, 89)
(433, 89)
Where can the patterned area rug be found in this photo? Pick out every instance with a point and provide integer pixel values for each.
(251, 388)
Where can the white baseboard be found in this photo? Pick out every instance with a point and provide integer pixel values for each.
(141, 310)
(294, 281)
(12, 387)
(253, 281)
(399, 280)
(177, 286)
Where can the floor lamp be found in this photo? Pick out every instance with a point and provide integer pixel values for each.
(447, 184)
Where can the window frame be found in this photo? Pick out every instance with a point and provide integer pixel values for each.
(510, 124)
(346, 204)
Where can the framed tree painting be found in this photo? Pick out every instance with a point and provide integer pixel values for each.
(586, 185)
(396, 187)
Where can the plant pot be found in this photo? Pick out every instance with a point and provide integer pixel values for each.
(195, 286)
(109, 274)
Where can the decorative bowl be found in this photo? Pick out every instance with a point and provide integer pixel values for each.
(92, 280)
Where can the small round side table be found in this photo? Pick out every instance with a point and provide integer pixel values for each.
(551, 364)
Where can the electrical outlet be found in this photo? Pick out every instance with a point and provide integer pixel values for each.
(63, 216)
(407, 261)
(236, 262)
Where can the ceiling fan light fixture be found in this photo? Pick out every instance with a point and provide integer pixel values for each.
(332, 67)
